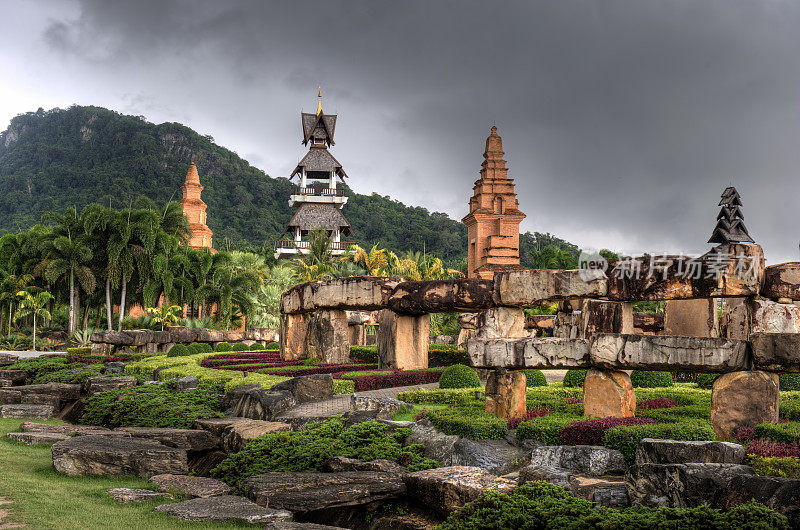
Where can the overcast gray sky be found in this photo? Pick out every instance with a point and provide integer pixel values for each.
(622, 121)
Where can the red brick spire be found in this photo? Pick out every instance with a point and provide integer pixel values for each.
(195, 210)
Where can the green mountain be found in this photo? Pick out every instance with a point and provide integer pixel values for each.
(50, 160)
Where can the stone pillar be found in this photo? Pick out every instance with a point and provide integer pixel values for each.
(357, 334)
(293, 336)
(327, 337)
(608, 393)
(403, 340)
(505, 393)
(601, 316)
(691, 318)
(568, 319)
(743, 399)
(501, 323)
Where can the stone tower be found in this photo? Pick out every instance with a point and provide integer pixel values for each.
(320, 206)
(494, 217)
(195, 210)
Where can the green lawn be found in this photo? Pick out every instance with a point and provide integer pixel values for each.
(409, 416)
(46, 499)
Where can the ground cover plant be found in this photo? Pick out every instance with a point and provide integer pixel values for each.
(307, 449)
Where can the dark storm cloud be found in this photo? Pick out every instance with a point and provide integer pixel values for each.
(622, 121)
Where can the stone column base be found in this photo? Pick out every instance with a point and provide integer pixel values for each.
(327, 336)
(505, 393)
(608, 393)
(403, 341)
(743, 399)
(293, 336)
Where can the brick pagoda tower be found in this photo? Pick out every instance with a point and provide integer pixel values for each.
(195, 210)
(318, 207)
(494, 217)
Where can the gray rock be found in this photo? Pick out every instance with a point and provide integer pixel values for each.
(216, 426)
(611, 497)
(9, 396)
(591, 459)
(680, 485)
(136, 495)
(655, 451)
(30, 426)
(303, 492)
(189, 382)
(554, 475)
(112, 370)
(341, 463)
(65, 392)
(366, 293)
(495, 456)
(780, 494)
(7, 359)
(260, 404)
(222, 509)
(385, 408)
(12, 377)
(778, 352)
(438, 446)
(307, 388)
(533, 287)
(237, 435)
(190, 486)
(111, 455)
(115, 364)
(446, 488)
(201, 463)
(93, 385)
(40, 412)
(542, 352)
(353, 417)
(36, 438)
(188, 439)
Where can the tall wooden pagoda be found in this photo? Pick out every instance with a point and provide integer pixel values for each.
(317, 199)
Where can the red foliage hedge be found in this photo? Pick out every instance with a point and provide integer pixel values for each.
(398, 378)
(765, 447)
(590, 432)
(530, 414)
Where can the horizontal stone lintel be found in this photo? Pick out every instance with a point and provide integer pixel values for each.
(614, 351)
(776, 352)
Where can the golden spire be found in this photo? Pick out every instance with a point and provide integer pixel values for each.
(319, 101)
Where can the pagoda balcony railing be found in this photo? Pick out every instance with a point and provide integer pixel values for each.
(319, 191)
(335, 245)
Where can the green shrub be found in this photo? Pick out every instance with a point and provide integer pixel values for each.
(202, 347)
(544, 506)
(272, 346)
(240, 346)
(779, 432)
(534, 378)
(76, 373)
(308, 448)
(705, 380)
(790, 406)
(626, 438)
(469, 421)
(776, 466)
(574, 378)
(367, 354)
(39, 365)
(344, 386)
(223, 347)
(360, 373)
(459, 376)
(257, 347)
(439, 396)
(80, 350)
(647, 379)
(150, 406)
(789, 381)
(446, 355)
(547, 429)
(179, 350)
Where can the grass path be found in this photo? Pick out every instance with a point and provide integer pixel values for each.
(42, 498)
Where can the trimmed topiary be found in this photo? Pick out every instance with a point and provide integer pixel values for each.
(203, 347)
(179, 350)
(534, 378)
(574, 378)
(240, 346)
(459, 376)
(272, 346)
(789, 381)
(706, 380)
(256, 347)
(223, 346)
(648, 379)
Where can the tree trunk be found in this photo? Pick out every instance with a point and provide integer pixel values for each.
(109, 323)
(71, 301)
(98, 316)
(86, 314)
(34, 329)
(10, 315)
(122, 301)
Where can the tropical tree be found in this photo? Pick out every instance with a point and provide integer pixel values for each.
(375, 262)
(318, 262)
(10, 286)
(33, 305)
(164, 314)
(232, 292)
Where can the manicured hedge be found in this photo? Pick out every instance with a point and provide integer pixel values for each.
(656, 403)
(590, 432)
(574, 378)
(766, 447)
(779, 432)
(626, 438)
(790, 406)
(777, 466)
(398, 378)
(240, 346)
(272, 346)
(367, 354)
(223, 346)
(469, 422)
(446, 355)
(789, 382)
(80, 350)
(647, 379)
(534, 378)
(459, 376)
(547, 429)
(439, 396)
(180, 350)
(706, 380)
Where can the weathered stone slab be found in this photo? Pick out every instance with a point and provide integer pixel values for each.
(303, 492)
(9, 396)
(663, 352)
(552, 474)
(12, 377)
(39, 412)
(35, 438)
(540, 352)
(355, 293)
(772, 317)
(111, 455)
(64, 391)
(293, 336)
(30, 426)
(691, 318)
(681, 485)
(192, 487)
(608, 393)
(501, 323)
(94, 385)
(543, 322)
(776, 352)
(188, 439)
(498, 457)
(602, 316)
(743, 399)
(780, 494)
(136, 495)
(590, 459)
(505, 393)
(222, 509)
(446, 488)
(782, 281)
(327, 337)
(442, 296)
(340, 463)
(386, 408)
(403, 341)
(539, 286)
(216, 426)
(238, 435)
(657, 451)
(7, 359)
(648, 322)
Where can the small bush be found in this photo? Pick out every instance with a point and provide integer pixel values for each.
(80, 350)
(76, 373)
(706, 380)
(764, 447)
(626, 438)
(446, 355)
(223, 347)
(790, 406)
(574, 378)
(590, 432)
(35, 366)
(534, 378)
(530, 414)
(459, 376)
(647, 379)
(202, 347)
(470, 422)
(343, 386)
(272, 346)
(789, 381)
(179, 350)
(777, 466)
(439, 396)
(779, 432)
(545, 430)
(257, 347)
(240, 346)
(368, 354)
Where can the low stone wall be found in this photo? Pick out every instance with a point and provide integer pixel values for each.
(149, 341)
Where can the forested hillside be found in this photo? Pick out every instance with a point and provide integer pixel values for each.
(72, 157)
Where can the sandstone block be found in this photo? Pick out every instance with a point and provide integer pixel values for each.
(776, 352)
(544, 352)
(656, 451)
(188, 439)
(691, 318)
(505, 393)
(97, 384)
(293, 336)
(403, 341)
(442, 296)
(539, 286)
(782, 281)
(681, 485)
(608, 393)
(501, 322)
(41, 412)
(190, 486)
(216, 426)
(540, 322)
(111, 455)
(663, 352)
(590, 459)
(355, 293)
(446, 488)
(601, 316)
(239, 434)
(181, 334)
(468, 320)
(743, 399)
(222, 509)
(648, 322)
(772, 317)
(327, 337)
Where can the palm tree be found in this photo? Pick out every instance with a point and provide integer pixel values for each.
(10, 285)
(317, 263)
(232, 291)
(34, 305)
(375, 261)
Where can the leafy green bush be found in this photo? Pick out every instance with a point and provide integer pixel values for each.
(344, 386)
(240, 346)
(308, 448)
(776, 466)
(648, 379)
(790, 406)
(789, 381)
(201, 347)
(469, 421)
(439, 396)
(574, 378)
(272, 346)
(534, 378)
(75, 373)
(779, 432)
(626, 438)
(705, 380)
(80, 350)
(543, 506)
(446, 355)
(367, 354)
(39, 365)
(150, 406)
(257, 347)
(179, 350)
(223, 347)
(546, 429)
(459, 376)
